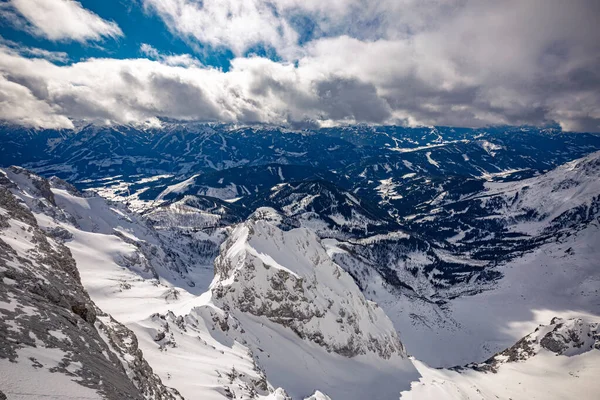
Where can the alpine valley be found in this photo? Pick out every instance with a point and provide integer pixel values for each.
(215, 261)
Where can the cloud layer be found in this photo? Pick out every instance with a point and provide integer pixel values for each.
(59, 20)
(430, 62)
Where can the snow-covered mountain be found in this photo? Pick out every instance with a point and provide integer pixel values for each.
(303, 317)
(557, 361)
(567, 197)
(297, 310)
(269, 268)
(531, 253)
(246, 181)
(510, 217)
(402, 169)
(55, 341)
(325, 208)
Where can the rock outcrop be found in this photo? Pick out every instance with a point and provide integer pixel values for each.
(48, 321)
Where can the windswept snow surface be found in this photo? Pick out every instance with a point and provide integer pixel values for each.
(39, 381)
(545, 377)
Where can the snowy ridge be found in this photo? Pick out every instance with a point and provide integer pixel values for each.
(563, 337)
(56, 342)
(289, 278)
(574, 185)
(557, 361)
(283, 285)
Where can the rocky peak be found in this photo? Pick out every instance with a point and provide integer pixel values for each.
(566, 337)
(287, 277)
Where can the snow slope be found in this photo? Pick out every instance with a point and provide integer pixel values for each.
(130, 273)
(55, 341)
(557, 361)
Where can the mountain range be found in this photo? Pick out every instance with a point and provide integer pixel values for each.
(217, 261)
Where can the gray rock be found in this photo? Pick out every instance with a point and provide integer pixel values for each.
(53, 308)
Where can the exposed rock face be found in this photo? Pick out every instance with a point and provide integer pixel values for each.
(570, 337)
(287, 277)
(44, 310)
(567, 337)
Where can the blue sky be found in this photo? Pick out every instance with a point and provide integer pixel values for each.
(138, 27)
(298, 62)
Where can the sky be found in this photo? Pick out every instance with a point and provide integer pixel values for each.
(301, 63)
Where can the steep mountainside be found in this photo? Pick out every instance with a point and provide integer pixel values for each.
(55, 341)
(307, 323)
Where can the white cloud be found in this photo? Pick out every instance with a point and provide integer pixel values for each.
(182, 60)
(10, 46)
(137, 90)
(281, 24)
(59, 56)
(149, 51)
(20, 106)
(59, 20)
(236, 25)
